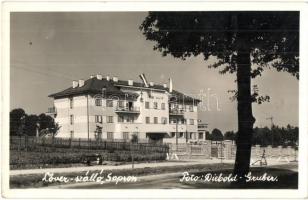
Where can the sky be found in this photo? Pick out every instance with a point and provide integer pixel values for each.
(50, 50)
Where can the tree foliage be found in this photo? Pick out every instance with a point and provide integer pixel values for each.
(230, 135)
(244, 42)
(275, 136)
(43, 122)
(272, 37)
(15, 120)
(31, 125)
(216, 135)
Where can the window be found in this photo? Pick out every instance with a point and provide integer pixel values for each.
(109, 119)
(98, 133)
(72, 119)
(120, 119)
(191, 108)
(98, 119)
(200, 135)
(147, 120)
(172, 121)
(121, 104)
(125, 136)
(163, 106)
(130, 119)
(98, 102)
(155, 105)
(136, 135)
(109, 103)
(191, 121)
(155, 120)
(71, 102)
(147, 105)
(173, 134)
(109, 135)
(164, 120)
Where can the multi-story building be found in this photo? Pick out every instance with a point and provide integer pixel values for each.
(111, 109)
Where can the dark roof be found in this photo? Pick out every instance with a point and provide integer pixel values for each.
(95, 86)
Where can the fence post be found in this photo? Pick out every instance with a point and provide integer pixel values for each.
(26, 142)
(19, 143)
(227, 149)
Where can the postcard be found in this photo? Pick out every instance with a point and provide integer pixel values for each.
(154, 100)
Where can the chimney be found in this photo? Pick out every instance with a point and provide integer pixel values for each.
(165, 85)
(92, 76)
(115, 79)
(81, 82)
(108, 78)
(170, 85)
(130, 82)
(99, 76)
(151, 84)
(75, 84)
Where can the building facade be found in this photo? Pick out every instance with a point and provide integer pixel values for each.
(111, 109)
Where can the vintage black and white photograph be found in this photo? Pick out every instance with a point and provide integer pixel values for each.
(154, 100)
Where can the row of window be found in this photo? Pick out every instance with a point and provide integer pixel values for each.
(190, 108)
(99, 119)
(131, 119)
(110, 136)
(182, 121)
(188, 135)
(125, 135)
(163, 120)
(155, 105)
(109, 103)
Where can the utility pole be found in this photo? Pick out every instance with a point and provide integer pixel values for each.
(272, 126)
(272, 120)
(176, 133)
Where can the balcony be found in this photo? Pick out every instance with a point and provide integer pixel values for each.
(176, 112)
(128, 110)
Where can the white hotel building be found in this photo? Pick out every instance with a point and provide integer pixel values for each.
(110, 109)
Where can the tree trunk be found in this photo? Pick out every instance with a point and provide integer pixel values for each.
(244, 110)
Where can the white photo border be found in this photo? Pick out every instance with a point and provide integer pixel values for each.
(71, 6)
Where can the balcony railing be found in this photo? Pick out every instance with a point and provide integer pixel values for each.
(176, 112)
(127, 110)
